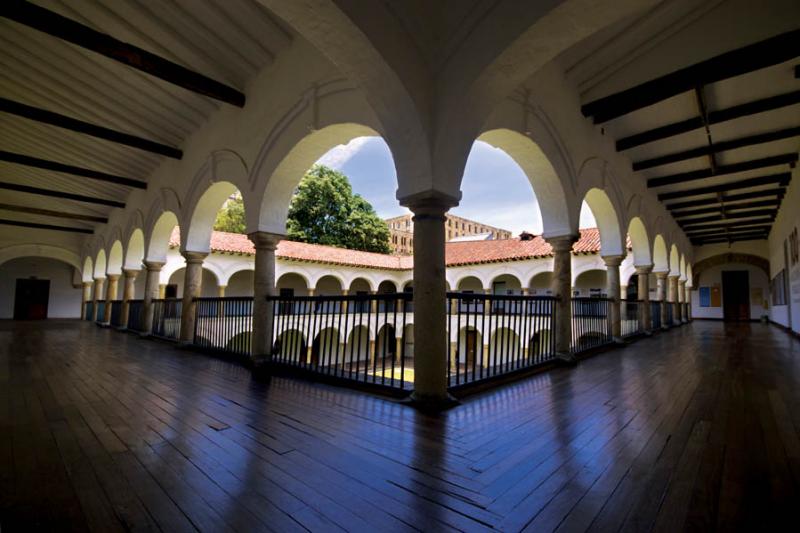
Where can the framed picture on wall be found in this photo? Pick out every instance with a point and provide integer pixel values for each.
(794, 250)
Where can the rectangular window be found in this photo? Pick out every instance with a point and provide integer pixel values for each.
(778, 286)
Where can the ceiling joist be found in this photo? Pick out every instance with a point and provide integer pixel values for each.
(722, 170)
(728, 216)
(756, 56)
(781, 179)
(738, 238)
(727, 231)
(35, 225)
(729, 224)
(100, 132)
(726, 208)
(35, 162)
(726, 198)
(56, 25)
(51, 213)
(59, 194)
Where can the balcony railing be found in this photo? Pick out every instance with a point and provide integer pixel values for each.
(167, 318)
(363, 338)
(632, 318)
(101, 310)
(670, 313)
(224, 324)
(591, 327)
(89, 309)
(493, 335)
(655, 314)
(136, 315)
(116, 313)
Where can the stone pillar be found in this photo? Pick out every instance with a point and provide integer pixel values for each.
(263, 285)
(688, 299)
(152, 292)
(430, 301)
(87, 297)
(453, 356)
(623, 292)
(643, 277)
(162, 291)
(128, 289)
(661, 295)
(221, 305)
(192, 288)
(398, 350)
(562, 289)
(99, 294)
(111, 295)
(682, 300)
(673, 298)
(613, 289)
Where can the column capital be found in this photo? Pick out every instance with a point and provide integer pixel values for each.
(661, 275)
(613, 260)
(562, 243)
(99, 278)
(682, 282)
(676, 277)
(264, 240)
(131, 272)
(113, 277)
(87, 283)
(643, 269)
(194, 257)
(430, 203)
(153, 266)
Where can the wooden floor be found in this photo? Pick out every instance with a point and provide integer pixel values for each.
(694, 429)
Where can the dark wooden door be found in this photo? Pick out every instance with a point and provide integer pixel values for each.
(30, 299)
(735, 295)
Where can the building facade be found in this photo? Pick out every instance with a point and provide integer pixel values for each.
(402, 231)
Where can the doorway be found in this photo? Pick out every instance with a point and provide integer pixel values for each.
(30, 299)
(471, 340)
(735, 295)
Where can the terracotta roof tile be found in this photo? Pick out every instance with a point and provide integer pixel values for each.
(456, 253)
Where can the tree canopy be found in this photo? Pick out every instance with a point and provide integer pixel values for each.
(325, 210)
(231, 217)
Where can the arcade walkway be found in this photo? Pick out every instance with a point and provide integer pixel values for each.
(694, 429)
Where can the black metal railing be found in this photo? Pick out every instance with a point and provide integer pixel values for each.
(493, 335)
(363, 338)
(686, 307)
(632, 318)
(224, 324)
(101, 310)
(136, 315)
(167, 318)
(655, 314)
(116, 313)
(670, 314)
(89, 309)
(591, 327)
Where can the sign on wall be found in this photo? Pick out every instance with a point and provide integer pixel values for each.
(716, 296)
(705, 296)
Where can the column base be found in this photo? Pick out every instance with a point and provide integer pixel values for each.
(649, 332)
(566, 359)
(619, 340)
(430, 404)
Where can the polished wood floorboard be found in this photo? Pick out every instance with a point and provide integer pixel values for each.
(695, 429)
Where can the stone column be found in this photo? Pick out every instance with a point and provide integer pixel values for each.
(162, 291)
(87, 297)
(263, 285)
(643, 277)
(98, 295)
(661, 295)
(221, 305)
(151, 292)
(673, 297)
(688, 299)
(111, 295)
(192, 288)
(128, 289)
(398, 350)
(562, 289)
(430, 301)
(613, 289)
(682, 300)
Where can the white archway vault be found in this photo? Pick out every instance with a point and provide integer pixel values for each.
(134, 252)
(640, 242)
(660, 257)
(612, 241)
(51, 252)
(159, 235)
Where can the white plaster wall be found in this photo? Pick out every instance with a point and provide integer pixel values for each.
(787, 220)
(757, 279)
(64, 300)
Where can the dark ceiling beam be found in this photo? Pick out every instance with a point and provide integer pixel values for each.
(723, 170)
(726, 208)
(729, 223)
(44, 226)
(56, 25)
(728, 216)
(50, 213)
(739, 238)
(714, 117)
(726, 198)
(35, 162)
(756, 56)
(716, 148)
(100, 132)
(781, 179)
(59, 194)
(728, 231)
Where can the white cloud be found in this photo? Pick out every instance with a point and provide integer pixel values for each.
(337, 157)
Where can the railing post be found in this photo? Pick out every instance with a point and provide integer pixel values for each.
(661, 294)
(86, 298)
(643, 289)
(613, 288)
(430, 298)
(561, 288)
(265, 244)
(192, 288)
(128, 288)
(151, 292)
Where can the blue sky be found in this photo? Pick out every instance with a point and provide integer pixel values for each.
(495, 191)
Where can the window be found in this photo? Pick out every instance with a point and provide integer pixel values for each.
(778, 286)
(171, 291)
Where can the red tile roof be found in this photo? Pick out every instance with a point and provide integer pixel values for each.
(456, 253)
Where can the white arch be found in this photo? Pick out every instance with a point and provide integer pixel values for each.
(366, 279)
(226, 275)
(196, 234)
(335, 275)
(135, 251)
(640, 242)
(100, 265)
(611, 241)
(44, 250)
(683, 267)
(674, 261)
(544, 179)
(159, 235)
(115, 256)
(660, 257)
(86, 274)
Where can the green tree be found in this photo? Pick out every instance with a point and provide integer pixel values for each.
(231, 217)
(324, 210)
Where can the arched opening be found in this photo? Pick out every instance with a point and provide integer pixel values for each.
(100, 266)
(607, 221)
(209, 288)
(240, 343)
(357, 349)
(326, 348)
(539, 345)
(408, 341)
(88, 269)
(197, 236)
(505, 285)
(386, 348)
(504, 347)
(590, 284)
(660, 257)
(541, 283)
(240, 284)
(160, 235)
(470, 285)
(674, 261)
(289, 285)
(115, 257)
(134, 255)
(640, 243)
(291, 345)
